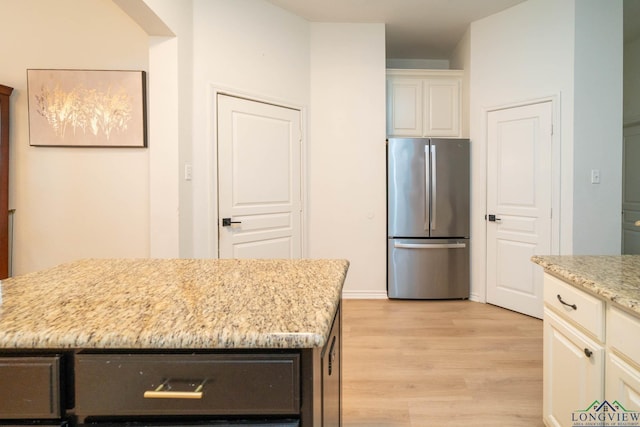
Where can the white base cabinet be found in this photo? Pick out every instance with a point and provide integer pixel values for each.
(591, 355)
(573, 370)
(623, 381)
(424, 103)
(623, 359)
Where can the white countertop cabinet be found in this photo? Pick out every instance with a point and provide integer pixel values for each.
(573, 357)
(591, 340)
(424, 103)
(622, 369)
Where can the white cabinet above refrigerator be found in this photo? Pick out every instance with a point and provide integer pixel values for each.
(424, 103)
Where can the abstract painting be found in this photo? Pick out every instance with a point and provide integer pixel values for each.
(87, 108)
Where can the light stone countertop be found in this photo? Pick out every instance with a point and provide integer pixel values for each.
(172, 304)
(615, 278)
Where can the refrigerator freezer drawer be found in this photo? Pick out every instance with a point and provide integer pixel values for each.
(428, 268)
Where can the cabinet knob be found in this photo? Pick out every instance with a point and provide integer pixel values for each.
(588, 352)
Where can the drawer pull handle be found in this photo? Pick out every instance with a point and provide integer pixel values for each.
(575, 307)
(332, 355)
(161, 393)
(588, 352)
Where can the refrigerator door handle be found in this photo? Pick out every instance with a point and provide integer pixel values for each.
(433, 187)
(427, 188)
(430, 245)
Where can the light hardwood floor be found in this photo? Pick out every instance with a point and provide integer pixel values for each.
(440, 363)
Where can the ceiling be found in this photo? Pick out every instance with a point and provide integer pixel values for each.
(415, 29)
(421, 29)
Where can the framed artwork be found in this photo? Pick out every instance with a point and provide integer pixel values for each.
(87, 108)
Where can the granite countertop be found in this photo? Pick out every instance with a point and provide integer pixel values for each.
(172, 304)
(615, 278)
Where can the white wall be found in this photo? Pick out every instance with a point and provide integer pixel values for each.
(461, 60)
(562, 49)
(251, 48)
(169, 122)
(597, 140)
(333, 72)
(522, 53)
(171, 118)
(72, 202)
(347, 152)
(103, 203)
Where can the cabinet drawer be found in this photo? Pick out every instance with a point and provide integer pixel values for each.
(30, 387)
(575, 305)
(622, 333)
(168, 384)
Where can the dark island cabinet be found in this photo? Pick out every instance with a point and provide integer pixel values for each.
(31, 387)
(332, 377)
(187, 384)
(153, 387)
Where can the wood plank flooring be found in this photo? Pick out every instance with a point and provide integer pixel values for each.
(440, 363)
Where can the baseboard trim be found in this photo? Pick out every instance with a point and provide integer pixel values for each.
(364, 294)
(476, 298)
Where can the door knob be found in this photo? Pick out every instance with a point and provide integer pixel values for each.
(492, 218)
(226, 222)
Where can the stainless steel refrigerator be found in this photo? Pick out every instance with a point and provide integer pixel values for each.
(428, 218)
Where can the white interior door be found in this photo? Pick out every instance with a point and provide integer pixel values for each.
(631, 191)
(259, 180)
(518, 204)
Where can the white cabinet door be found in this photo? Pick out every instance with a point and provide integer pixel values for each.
(622, 383)
(573, 371)
(631, 191)
(404, 107)
(442, 109)
(424, 103)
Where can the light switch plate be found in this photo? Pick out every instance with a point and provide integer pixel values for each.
(595, 176)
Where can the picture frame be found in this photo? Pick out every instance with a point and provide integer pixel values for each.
(87, 108)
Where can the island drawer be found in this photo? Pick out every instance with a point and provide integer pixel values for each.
(575, 305)
(30, 387)
(187, 384)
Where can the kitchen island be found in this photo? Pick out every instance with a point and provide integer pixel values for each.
(591, 346)
(119, 340)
